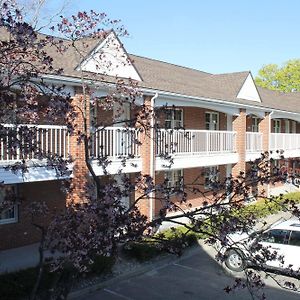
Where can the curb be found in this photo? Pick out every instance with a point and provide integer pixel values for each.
(161, 263)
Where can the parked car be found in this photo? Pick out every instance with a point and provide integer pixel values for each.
(276, 248)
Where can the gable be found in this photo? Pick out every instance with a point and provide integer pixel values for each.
(248, 90)
(110, 58)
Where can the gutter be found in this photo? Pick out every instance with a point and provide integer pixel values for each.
(152, 157)
(152, 92)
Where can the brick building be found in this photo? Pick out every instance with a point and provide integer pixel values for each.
(228, 119)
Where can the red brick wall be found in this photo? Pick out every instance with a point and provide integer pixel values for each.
(193, 178)
(194, 118)
(77, 150)
(23, 233)
(239, 125)
(264, 128)
(145, 152)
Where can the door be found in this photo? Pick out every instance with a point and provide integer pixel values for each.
(212, 121)
(277, 126)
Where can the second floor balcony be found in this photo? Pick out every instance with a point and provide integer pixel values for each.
(285, 144)
(118, 149)
(194, 148)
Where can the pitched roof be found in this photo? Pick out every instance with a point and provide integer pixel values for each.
(172, 78)
(177, 79)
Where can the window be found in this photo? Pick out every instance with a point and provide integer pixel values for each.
(174, 118)
(211, 121)
(8, 215)
(211, 177)
(295, 238)
(277, 236)
(277, 126)
(255, 124)
(174, 179)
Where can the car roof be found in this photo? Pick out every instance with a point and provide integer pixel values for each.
(291, 224)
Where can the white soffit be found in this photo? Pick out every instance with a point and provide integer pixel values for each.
(110, 58)
(249, 91)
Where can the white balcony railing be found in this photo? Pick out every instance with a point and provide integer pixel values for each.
(115, 142)
(284, 141)
(254, 142)
(32, 141)
(194, 142)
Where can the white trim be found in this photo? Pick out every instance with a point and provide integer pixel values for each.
(114, 62)
(116, 166)
(193, 161)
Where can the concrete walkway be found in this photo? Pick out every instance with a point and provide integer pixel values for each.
(19, 258)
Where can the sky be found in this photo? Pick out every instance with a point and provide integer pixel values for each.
(216, 36)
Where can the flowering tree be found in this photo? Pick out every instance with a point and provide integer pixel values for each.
(98, 223)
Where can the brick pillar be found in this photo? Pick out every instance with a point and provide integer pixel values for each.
(264, 128)
(147, 156)
(239, 126)
(81, 103)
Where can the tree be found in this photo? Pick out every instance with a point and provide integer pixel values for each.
(98, 223)
(284, 79)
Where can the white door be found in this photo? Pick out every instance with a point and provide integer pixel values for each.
(277, 126)
(211, 121)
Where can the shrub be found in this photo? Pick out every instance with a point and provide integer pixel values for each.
(142, 251)
(102, 264)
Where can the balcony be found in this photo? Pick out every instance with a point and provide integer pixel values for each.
(254, 146)
(192, 148)
(288, 144)
(31, 142)
(119, 147)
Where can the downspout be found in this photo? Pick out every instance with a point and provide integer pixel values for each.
(152, 155)
(270, 130)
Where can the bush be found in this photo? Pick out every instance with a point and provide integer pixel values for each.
(102, 264)
(18, 285)
(142, 251)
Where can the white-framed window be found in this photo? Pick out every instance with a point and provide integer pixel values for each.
(174, 178)
(255, 124)
(211, 121)
(211, 176)
(93, 113)
(287, 126)
(277, 126)
(174, 118)
(8, 215)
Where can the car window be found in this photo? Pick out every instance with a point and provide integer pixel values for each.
(277, 236)
(295, 238)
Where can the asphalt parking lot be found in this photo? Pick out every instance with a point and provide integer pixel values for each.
(196, 275)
